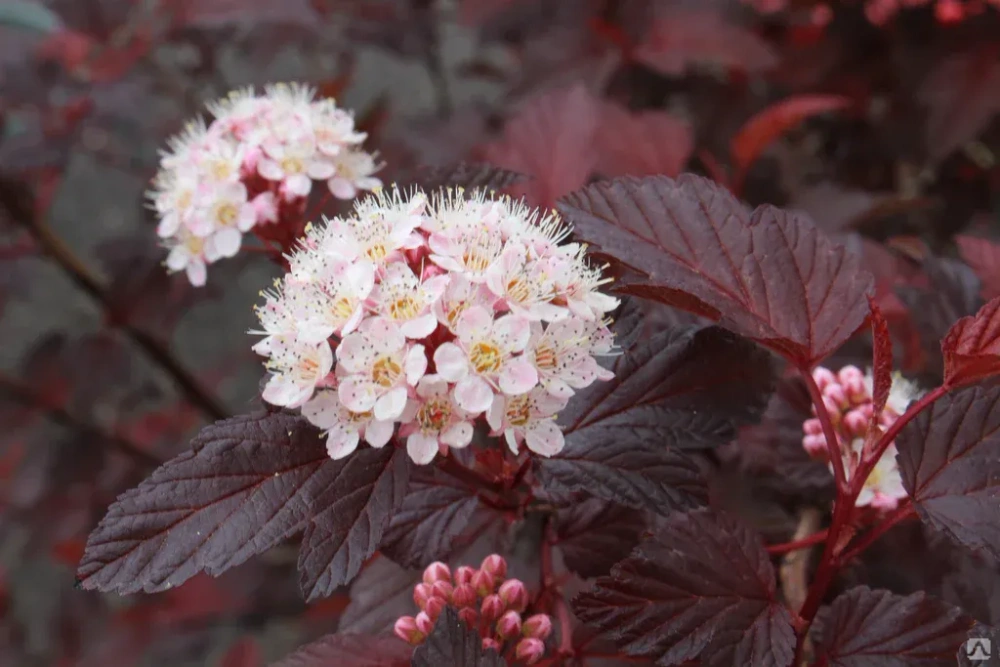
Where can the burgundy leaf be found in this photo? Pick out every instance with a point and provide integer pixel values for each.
(453, 644)
(249, 483)
(436, 510)
(984, 257)
(701, 587)
(379, 595)
(352, 512)
(469, 175)
(866, 627)
(962, 94)
(681, 37)
(949, 463)
(551, 139)
(971, 349)
(346, 650)
(881, 359)
(771, 275)
(643, 143)
(595, 534)
(775, 120)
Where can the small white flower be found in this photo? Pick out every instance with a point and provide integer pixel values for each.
(884, 487)
(484, 359)
(433, 420)
(524, 286)
(293, 164)
(188, 254)
(404, 299)
(377, 366)
(333, 301)
(564, 353)
(579, 284)
(529, 418)
(352, 171)
(343, 428)
(297, 368)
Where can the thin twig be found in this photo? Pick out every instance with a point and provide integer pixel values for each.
(798, 543)
(900, 514)
(20, 392)
(794, 569)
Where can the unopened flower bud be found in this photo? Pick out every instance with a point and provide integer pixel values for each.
(443, 589)
(436, 571)
(490, 643)
(435, 606)
(406, 629)
(836, 393)
(849, 374)
(483, 582)
(495, 565)
(463, 575)
(823, 377)
(464, 596)
(421, 594)
(492, 608)
(514, 594)
(812, 426)
(815, 445)
(509, 625)
(469, 616)
(530, 650)
(424, 622)
(856, 424)
(538, 626)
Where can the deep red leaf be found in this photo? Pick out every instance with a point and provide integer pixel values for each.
(701, 587)
(950, 467)
(767, 125)
(247, 484)
(881, 359)
(962, 94)
(347, 650)
(595, 534)
(771, 276)
(436, 510)
(468, 175)
(984, 258)
(551, 139)
(679, 38)
(454, 644)
(865, 627)
(643, 143)
(971, 349)
(353, 511)
(379, 595)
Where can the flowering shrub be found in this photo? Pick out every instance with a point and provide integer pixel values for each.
(252, 167)
(481, 291)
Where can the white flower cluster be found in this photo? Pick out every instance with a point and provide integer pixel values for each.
(428, 315)
(254, 162)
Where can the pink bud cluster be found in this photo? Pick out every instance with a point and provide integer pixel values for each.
(880, 12)
(253, 166)
(847, 397)
(432, 316)
(486, 601)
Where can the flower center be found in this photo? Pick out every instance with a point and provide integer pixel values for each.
(221, 170)
(226, 214)
(545, 358)
(291, 165)
(404, 308)
(376, 251)
(386, 371)
(434, 414)
(485, 358)
(359, 417)
(518, 290)
(307, 368)
(195, 245)
(518, 411)
(342, 309)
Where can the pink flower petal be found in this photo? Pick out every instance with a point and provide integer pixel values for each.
(390, 405)
(341, 188)
(270, 169)
(415, 364)
(450, 362)
(298, 185)
(545, 438)
(320, 169)
(517, 377)
(458, 435)
(196, 272)
(476, 323)
(495, 415)
(377, 433)
(323, 410)
(420, 327)
(341, 443)
(227, 241)
(474, 395)
(421, 448)
(357, 394)
(513, 332)
(355, 353)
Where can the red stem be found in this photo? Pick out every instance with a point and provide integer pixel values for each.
(869, 461)
(900, 514)
(549, 584)
(832, 444)
(815, 538)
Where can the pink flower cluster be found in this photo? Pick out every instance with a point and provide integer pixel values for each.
(880, 12)
(259, 155)
(847, 396)
(486, 601)
(431, 315)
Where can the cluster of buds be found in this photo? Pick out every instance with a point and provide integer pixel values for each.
(252, 168)
(486, 601)
(847, 397)
(438, 314)
(880, 12)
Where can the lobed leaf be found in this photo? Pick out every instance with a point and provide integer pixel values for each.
(949, 458)
(875, 627)
(347, 650)
(468, 175)
(770, 276)
(248, 483)
(595, 534)
(454, 644)
(971, 349)
(436, 509)
(643, 143)
(701, 587)
(353, 511)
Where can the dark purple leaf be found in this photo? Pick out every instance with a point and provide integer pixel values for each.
(701, 587)
(468, 175)
(453, 644)
(950, 467)
(345, 650)
(379, 595)
(971, 349)
(595, 534)
(436, 510)
(770, 275)
(353, 511)
(865, 627)
(973, 584)
(249, 483)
